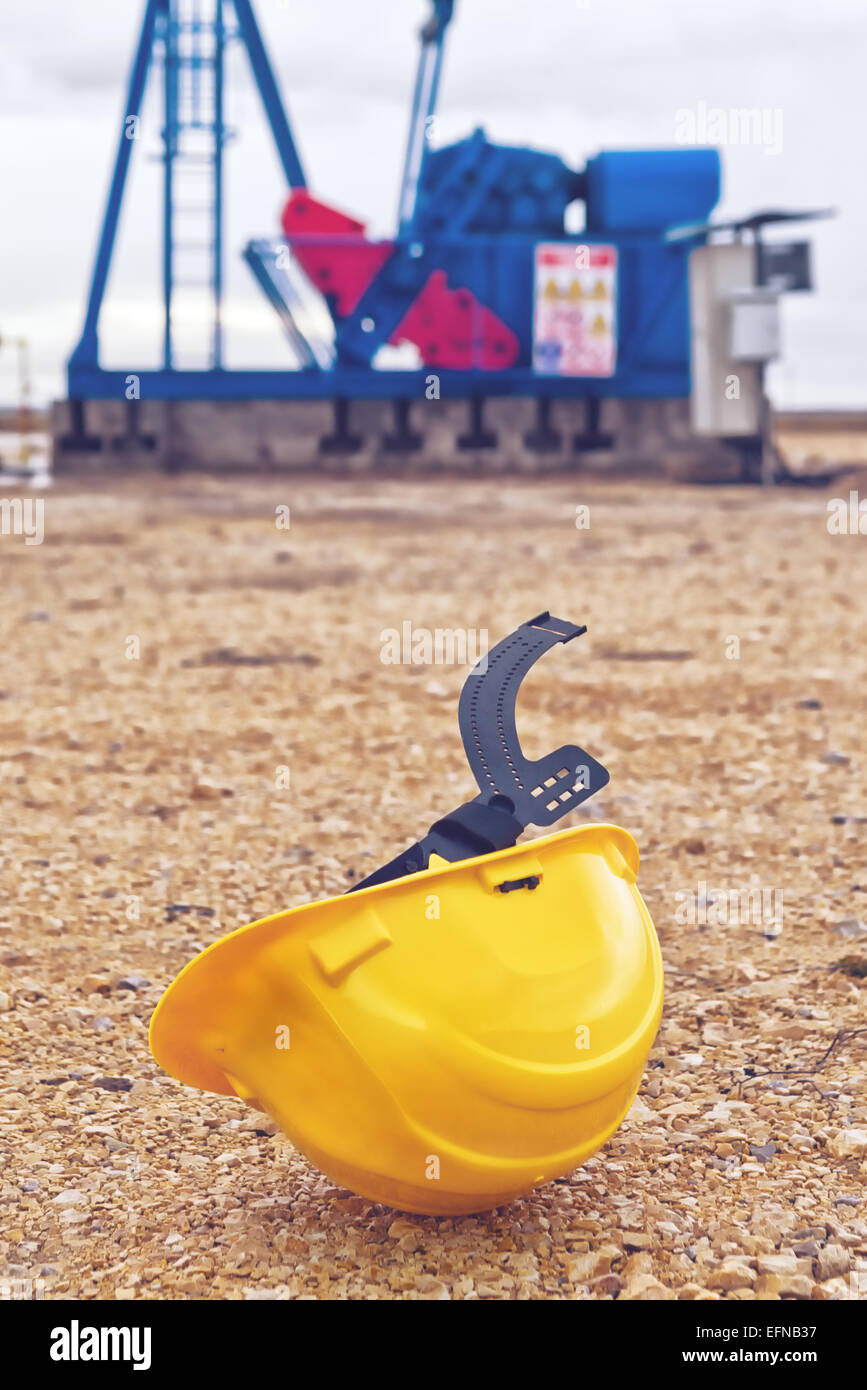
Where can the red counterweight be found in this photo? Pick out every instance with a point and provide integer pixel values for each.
(450, 327)
(342, 270)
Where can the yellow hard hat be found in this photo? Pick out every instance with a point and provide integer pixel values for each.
(471, 1020)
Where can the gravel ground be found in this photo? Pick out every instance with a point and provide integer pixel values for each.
(145, 813)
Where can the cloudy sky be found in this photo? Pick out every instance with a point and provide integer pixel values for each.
(564, 75)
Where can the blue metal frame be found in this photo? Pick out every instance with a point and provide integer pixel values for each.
(163, 24)
(453, 218)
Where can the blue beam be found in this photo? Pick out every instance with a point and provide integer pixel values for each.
(170, 116)
(360, 383)
(219, 137)
(270, 93)
(424, 104)
(87, 349)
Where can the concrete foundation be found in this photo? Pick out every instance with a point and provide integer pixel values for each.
(504, 435)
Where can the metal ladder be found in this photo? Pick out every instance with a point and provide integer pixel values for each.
(194, 37)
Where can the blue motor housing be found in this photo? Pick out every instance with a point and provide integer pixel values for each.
(649, 190)
(477, 187)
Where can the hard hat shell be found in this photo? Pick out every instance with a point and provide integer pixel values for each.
(443, 1042)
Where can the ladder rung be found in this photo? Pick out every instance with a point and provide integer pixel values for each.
(194, 159)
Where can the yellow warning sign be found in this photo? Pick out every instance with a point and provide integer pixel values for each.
(575, 319)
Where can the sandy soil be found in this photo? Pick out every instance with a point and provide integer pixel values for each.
(722, 682)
